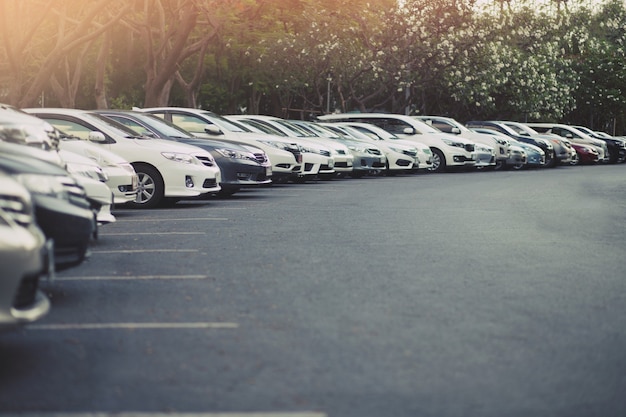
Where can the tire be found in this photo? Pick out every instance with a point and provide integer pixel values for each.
(439, 161)
(575, 160)
(150, 188)
(500, 165)
(553, 161)
(518, 166)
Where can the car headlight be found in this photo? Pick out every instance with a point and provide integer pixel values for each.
(86, 170)
(396, 150)
(453, 143)
(43, 185)
(126, 166)
(234, 154)
(357, 148)
(178, 157)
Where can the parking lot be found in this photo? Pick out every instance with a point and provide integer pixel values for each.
(458, 294)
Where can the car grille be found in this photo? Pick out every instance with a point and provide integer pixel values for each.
(76, 193)
(325, 153)
(26, 292)
(261, 158)
(209, 183)
(470, 147)
(410, 153)
(206, 161)
(16, 209)
(341, 152)
(374, 151)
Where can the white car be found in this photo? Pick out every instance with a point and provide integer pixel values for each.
(122, 178)
(400, 157)
(339, 155)
(448, 150)
(450, 125)
(94, 180)
(285, 155)
(424, 154)
(166, 170)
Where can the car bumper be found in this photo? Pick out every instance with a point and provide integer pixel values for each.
(68, 225)
(186, 180)
(23, 255)
(242, 173)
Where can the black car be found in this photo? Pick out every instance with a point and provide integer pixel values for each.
(62, 210)
(241, 165)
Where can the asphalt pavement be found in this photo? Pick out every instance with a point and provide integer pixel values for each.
(490, 294)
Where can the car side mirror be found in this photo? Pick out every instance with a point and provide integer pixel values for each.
(96, 137)
(408, 131)
(455, 130)
(213, 130)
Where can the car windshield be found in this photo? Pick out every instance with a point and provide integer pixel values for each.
(110, 124)
(223, 122)
(163, 126)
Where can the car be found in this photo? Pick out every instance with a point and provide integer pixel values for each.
(574, 136)
(167, 171)
(25, 256)
(342, 159)
(485, 157)
(242, 166)
(400, 158)
(497, 126)
(316, 158)
(563, 151)
(122, 179)
(62, 210)
(523, 155)
(367, 157)
(424, 153)
(285, 155)
(585, 154)
(19, 127)
(449, 151)
(616, 146)
(450, 125)
(93, 179)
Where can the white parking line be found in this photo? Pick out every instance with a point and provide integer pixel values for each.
(143, 250)
(132, 326)
(130, 277)
(170, 414)
(152, 233)
(171, 220)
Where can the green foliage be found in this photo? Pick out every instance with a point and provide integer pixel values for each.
(514, 59)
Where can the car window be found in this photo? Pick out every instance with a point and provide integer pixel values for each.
(190, 123)
(139, 129)
(69, 127)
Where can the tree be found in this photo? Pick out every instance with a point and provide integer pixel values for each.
(50, 44)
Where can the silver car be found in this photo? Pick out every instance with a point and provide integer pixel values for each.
(25, 257)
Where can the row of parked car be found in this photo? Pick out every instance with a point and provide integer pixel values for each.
(63, 171)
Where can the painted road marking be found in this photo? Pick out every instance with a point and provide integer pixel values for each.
(132, 326)
(171, 414)
(143, 250)
(130, 277)
(171, 220)
(152, 233)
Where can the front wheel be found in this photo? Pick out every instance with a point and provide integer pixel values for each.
(439, 161)
(150, 188)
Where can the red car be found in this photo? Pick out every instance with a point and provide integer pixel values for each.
(585, 154)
